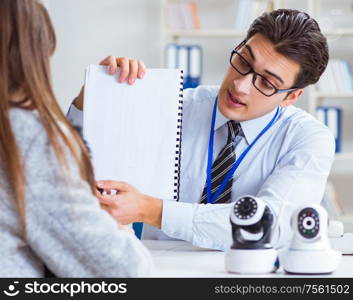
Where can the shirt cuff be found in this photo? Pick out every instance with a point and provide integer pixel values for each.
(75, 116)
(177, 219)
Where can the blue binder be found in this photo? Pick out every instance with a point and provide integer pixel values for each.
(188, 58)
(138, 229)
(331, 116)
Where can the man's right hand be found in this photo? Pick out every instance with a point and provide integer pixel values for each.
(130, 70)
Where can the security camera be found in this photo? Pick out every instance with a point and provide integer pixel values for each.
(247, 211)
(251, 252)
(310, 250)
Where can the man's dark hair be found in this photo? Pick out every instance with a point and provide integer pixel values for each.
(297, 36)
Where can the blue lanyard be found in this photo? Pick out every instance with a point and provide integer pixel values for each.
(237, 162)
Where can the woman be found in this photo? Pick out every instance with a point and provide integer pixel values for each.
(50, 218)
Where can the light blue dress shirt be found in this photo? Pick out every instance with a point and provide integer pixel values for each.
(287, 167)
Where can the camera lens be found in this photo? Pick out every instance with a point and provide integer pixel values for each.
(308, 223)
(245, 208)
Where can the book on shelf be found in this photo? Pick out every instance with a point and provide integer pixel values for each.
(248, 11)
(182, 15)
(337, 77)
(187, 58)
(331, 116)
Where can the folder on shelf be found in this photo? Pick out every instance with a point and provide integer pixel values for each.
(195, 66)
(349, 77)
(332, 117)
(187, 58)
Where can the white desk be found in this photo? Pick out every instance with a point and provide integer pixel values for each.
(181, 259)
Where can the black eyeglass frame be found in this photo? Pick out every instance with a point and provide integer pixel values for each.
(251, 70)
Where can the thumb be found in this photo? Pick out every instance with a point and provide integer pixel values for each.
(111, 184)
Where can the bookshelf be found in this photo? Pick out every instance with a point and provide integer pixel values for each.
(315, 97)
(175, 36)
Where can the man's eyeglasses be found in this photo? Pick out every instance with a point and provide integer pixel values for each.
(242, 66)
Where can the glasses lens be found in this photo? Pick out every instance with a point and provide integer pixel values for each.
(240, 64)
(243, 67)
(264, 85)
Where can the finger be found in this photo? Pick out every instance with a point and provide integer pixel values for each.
(133, 71)
(108, 192)
(98, 192)
(111, 184)
(104, 62)
(110, 201)
(123, 63)
(106, 184)
(141, 69)
(111, 62)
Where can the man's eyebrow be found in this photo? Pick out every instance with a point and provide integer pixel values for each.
(250, 51)
(267, 71)
(274, 75)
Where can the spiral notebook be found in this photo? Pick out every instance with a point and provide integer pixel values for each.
(134, 131)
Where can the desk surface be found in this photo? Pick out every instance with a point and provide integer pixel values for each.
(181, 259)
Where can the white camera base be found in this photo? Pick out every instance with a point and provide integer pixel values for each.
(310, 261)
(249, 261)
(343, 243)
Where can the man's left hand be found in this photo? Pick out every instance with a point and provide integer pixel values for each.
(129, 205)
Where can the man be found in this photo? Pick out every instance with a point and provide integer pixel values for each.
(288, 165)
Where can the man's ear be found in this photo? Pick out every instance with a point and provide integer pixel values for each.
(292, 98)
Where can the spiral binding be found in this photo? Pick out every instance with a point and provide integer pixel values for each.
(178, 139)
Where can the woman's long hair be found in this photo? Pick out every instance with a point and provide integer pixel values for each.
(27, 40)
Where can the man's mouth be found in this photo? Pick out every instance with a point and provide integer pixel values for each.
(233, 101)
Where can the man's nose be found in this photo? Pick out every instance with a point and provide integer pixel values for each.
(243, 84)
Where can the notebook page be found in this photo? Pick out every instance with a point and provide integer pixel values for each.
(131, 129)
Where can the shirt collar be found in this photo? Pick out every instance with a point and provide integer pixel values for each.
(250, 128)
(220, 119)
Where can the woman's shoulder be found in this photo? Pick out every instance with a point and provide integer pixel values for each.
(26, 125)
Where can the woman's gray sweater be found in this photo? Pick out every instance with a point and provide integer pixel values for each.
(67, 231)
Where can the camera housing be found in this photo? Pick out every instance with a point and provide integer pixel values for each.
(251, 251)
(310, 251)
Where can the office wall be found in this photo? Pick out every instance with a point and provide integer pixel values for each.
(88, 31)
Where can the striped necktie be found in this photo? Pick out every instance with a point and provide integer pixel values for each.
(221, 166)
